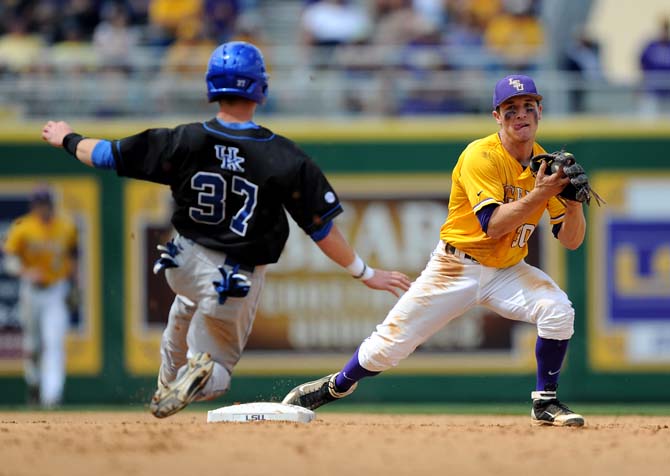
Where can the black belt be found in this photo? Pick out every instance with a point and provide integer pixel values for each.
(42, 285)
(452, 251)
(246, 267)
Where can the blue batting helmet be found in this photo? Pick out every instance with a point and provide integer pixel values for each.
(237, 69)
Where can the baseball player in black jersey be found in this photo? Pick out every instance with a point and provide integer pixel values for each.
(231, 180)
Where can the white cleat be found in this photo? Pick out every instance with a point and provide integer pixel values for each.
(176, 395)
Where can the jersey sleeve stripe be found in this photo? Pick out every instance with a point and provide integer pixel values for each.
(102, 156)
(483, 203)
(329, 215)
(320, 234)
(558, 219)
(336, 209)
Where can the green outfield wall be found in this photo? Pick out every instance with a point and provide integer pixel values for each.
(604, 362)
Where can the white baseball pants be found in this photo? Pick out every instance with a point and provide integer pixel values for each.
(44, 317)
(449, 286)
(198, 323)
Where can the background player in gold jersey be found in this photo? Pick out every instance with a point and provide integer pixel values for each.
(495, 205)
(40, 248)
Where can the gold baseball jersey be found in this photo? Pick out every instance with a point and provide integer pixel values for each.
(487, 174)
(46, 247)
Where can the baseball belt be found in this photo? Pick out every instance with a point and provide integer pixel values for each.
(456, 252)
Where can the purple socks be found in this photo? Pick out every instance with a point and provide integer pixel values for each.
(549, 354)
(351, 373)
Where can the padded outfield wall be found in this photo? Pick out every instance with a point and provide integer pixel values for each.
(394, 179)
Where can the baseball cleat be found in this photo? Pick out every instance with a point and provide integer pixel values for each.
(312, 395)
(171, 398)
(548, 410)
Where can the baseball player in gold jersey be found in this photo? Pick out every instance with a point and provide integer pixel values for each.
(495, 205)
(40, 248)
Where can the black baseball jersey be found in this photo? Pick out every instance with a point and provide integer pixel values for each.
(231, 185)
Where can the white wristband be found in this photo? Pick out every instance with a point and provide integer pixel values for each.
(360, 270)
(357, 267)
(368, 273)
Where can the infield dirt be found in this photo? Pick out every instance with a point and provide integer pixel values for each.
(135, 444)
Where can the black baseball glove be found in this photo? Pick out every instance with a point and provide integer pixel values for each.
(579, 189)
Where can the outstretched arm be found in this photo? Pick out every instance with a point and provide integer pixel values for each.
(54, 133)
(336, 247)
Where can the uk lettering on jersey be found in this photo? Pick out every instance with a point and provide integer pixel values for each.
(487, 174)
(232, 186)
(229, 158)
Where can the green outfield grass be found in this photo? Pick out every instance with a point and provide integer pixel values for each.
(402, 408)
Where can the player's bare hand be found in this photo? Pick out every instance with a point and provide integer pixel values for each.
(550, 185)
(55, 132)
(394, 282)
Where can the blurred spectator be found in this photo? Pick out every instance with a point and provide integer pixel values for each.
(582, 56)
(74, 54)
(168, 14)
(138, 11)
(19, 50)
(85, 14)
(465, 39)
(113, 40)
(516, 36)
(43, 18)
(189, 51)
(427, 91)
(397, 23)
(655, 64)
(248, 27)
(483, 10)
(182, 63)
(402, 41)
(433, 11)
(220, 19)
(328, 23)
(465, 29)
(114, 43)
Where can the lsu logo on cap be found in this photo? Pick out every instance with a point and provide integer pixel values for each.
(516, 84)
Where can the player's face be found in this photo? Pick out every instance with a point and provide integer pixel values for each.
(518, 118)
(43, 210)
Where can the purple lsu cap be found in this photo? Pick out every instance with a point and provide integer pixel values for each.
(514, 85)
(41, 194)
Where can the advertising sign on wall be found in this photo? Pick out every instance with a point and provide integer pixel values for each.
(629, 285)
